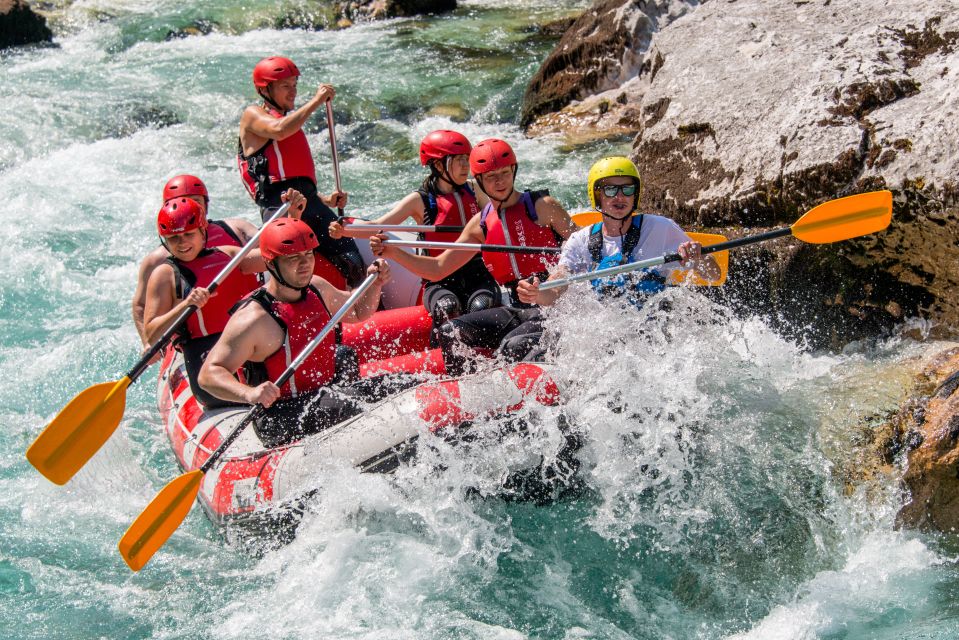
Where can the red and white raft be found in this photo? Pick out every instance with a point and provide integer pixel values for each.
(252, 480)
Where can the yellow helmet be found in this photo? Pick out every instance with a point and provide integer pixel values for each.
(609, 168)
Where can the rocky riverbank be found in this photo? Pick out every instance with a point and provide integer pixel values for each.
(20, 25)
(745, 113)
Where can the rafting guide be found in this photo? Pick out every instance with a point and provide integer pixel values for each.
(624, 236)
(274, 155)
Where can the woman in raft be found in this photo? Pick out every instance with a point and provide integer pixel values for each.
(444, 198)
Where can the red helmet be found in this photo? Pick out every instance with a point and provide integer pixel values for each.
(185, 185)
(490, 155)
(272, 69)
(285, 237)
(180, 215)
(439, 144)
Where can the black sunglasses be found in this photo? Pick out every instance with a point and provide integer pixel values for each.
(610, 190)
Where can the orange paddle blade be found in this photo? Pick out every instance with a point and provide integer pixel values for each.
(721, 257)
(79, 430)
(845, 218)
(159, 520)
(586, 218)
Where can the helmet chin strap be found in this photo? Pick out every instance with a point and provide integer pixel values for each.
(269, 100)
(444, 173)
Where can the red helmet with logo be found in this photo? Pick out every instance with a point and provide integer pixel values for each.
(272, 69)
(185, 185)
(180, 215)
(285, 237)
(490, 155)
(439, 144)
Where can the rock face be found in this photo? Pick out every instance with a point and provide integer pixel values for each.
(929, 425)
(746, 113)
(599, 51)
(19, 25)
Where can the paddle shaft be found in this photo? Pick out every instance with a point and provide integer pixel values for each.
(466, 246)
(258, 410)
(169, 334)
(669, 257)
(336, 161)
(418, 228)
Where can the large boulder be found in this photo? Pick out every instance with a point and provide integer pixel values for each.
(600, 50)
(747, 113)
(19, 25)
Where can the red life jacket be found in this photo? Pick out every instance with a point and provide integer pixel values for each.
(520, 230)
(199, 272)
(454, 208)
(219, 234)
(276, 161)
(301, 322)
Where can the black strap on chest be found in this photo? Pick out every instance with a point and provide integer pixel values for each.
(184, 280)
(630, 241)
(228, 230)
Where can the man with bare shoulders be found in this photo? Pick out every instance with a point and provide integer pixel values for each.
(274, 155)
(271, 328)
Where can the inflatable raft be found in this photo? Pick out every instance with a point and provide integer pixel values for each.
(256, 487)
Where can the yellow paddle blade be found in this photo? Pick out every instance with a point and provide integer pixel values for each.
(721, 257)
(79, 430)
(845, 218)
(587, 218)
(159, 520)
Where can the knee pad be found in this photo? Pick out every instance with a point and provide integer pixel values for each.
(481, 301)
(445, 308)
(515, 349)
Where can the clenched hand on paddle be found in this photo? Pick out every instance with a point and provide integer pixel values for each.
(832, 221)
(168, 509)
(88, 421)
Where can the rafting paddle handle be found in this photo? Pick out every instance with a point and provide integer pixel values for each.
(466, 246)
(832, 221)
(88, 421)
(166, 511)
(336, 160)
(418, 228)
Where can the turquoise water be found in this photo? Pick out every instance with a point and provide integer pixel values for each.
(711, 505)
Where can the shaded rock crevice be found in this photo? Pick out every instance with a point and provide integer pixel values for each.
(20, 25)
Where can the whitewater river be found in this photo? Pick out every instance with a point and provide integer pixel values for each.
(711, 502)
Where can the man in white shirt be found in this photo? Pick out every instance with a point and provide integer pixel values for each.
(622, 237)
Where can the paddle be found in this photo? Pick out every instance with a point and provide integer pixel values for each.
(418, 228)
(336, 162)
(466, 246)
(167, 510)
(88, 421)
(832, 221)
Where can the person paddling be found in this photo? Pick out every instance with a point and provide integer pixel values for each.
(234, 232)
(445, 198)
(274, 155)
(182, 281)
(623, 236)
(528, 218)
(270, 327)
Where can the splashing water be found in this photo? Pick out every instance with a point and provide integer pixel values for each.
(707, 503)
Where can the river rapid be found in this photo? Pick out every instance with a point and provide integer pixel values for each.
(710, 501)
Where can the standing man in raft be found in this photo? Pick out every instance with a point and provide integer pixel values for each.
(274, 155)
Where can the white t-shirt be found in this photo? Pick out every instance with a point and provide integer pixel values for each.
(657, 237)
